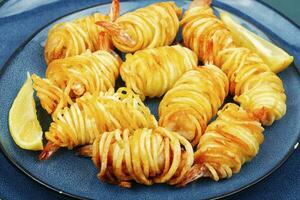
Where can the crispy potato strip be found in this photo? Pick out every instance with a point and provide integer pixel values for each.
(152, 26)
(80, 123)
(146, 156)
(193, 101)
(256, 88)
(152, 72)
(72, 77)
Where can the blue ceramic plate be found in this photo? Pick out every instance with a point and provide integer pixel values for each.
(76, 176)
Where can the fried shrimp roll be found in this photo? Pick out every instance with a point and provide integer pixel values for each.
(80, 123)
(152, 26)
(194, 99)
(75, 37)
(146, 156)
(74, 76)
(228, 142)
(256, 88)
(152, 72)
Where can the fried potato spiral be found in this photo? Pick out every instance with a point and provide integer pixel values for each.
(152, 72)
(80, 123)
(152, 26)
(74, 76)
(73, 38)
(194, 99)
(228, 142)
(256, 88)
(50, 95)
(146, 156)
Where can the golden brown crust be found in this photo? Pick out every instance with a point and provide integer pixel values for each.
(194, 99)
(73, 38)
(146, 156)
(71, 77)
(80, 123)
(228, 142)
(152, 72)
(256, 88)
(152, 26)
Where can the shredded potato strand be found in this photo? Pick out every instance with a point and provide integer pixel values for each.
(152, 26)
(72, 38)
(256, 88)
(80, 123)
(194, 99)
(229, 142)
(152, 72)
(71, 77)
(145, 155)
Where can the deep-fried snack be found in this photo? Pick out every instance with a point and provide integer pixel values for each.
(193, 100)
(80, 123)
(152, 72)
(256, 88)
(146, 156)
(75, 37)
(70, 78)
(228, 142)
(152, 26)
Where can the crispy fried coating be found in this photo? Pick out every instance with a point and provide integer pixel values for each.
(152, 26)
(256, 88)
(152, 72)
(80, 123)
(194, 99)
(146, 156)
(72, 77)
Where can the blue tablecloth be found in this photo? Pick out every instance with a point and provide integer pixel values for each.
(283, 184)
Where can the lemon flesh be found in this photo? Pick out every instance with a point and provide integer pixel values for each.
(23, 123)
(276, 58)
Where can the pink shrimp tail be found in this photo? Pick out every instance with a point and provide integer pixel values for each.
(196, 172)
(200, 3)
(48, 151)
(116, 31)
(85, 151)
(114, 12)
(104, 43)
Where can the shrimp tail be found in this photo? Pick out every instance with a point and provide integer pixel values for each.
(264, 116)
(125, 184)
(196, 172)
(200, 3)
(85, 151)
(114, 12)
(104, 43)
(115, 30)
(48, 151)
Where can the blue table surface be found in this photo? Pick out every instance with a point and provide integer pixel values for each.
(282, 184)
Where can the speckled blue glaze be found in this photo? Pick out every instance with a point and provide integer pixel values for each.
(77, 176)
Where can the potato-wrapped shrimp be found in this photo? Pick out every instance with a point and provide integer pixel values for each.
(152, 26)
(228, 142)
(194, 99)
(146, 156)
(152, 72)
(80, 123)
(75, 37)
(256, 88)
(74, 76)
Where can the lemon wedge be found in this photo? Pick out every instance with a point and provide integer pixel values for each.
(276, 58)
(23, 123)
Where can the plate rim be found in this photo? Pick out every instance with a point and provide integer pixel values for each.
(291, 151)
